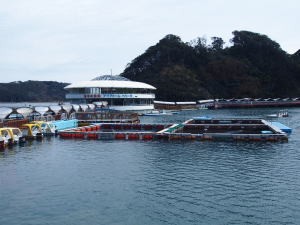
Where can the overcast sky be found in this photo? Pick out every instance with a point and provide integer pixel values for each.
(72, 40)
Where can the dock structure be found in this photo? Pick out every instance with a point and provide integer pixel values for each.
(84, 113)
(122, 131)
(200, 129)
(226, 129)
(107, 117)
(250, 103)
(162, 105)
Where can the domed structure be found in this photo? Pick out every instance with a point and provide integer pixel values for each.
(110, 77)
(117, 92)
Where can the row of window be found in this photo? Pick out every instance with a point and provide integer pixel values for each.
(116, 102)
(110, 91)
(121, 102)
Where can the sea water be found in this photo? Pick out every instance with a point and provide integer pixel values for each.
(64, 181)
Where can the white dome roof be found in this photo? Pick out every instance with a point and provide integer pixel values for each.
(110, 77)
(109, 81)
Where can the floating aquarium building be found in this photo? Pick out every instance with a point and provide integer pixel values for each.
(117, 92)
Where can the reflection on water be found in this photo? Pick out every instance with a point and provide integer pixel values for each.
(60, 181)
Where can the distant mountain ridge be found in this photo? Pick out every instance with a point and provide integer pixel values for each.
(32, 91)
(253, 66)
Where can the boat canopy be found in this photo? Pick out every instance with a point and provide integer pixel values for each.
(55, 108)
(67, 108)
(91, 106)
(4, 112)
(76, 107)
(25, 111)
(41, 109)
(84, 107)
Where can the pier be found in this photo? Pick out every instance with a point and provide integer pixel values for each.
(249, 103)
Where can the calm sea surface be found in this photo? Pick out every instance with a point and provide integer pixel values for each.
(70, 182)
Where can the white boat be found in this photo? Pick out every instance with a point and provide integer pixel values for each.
(158, 113)
(10, 135)
(281, 113)
(47, 127)
(5, 137)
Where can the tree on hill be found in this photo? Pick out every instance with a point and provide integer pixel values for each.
(254, 66)
(34, 91)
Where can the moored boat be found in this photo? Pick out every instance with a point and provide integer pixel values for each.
(32, 131)
(10, 136)
(281, 113)
(47, 128)
(5, 137)
(158, 113)
(16, 135)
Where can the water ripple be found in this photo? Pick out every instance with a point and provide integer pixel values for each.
(121, 182)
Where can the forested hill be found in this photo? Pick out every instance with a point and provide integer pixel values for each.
(32, 91)
(252, 66)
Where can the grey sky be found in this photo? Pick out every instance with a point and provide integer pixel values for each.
(72, 40)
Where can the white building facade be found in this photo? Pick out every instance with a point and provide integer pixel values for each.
(119, 93)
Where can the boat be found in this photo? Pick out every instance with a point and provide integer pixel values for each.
(16, 135)
(158, 113)
(281, 113)
(32, 131)
(10, 136)
(5, 137)
(47, 127)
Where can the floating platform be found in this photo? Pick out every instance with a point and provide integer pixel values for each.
(104, 131)
(199, 128)
(282, 127)
(65, 124)
(107, 117)
(253, 103)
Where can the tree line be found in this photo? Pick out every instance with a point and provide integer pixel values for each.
(252, 65)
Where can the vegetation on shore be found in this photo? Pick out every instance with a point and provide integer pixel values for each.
(252, 66)
(32, 91)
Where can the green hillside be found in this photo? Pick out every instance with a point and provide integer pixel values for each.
(252, 66)
(32, 91)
